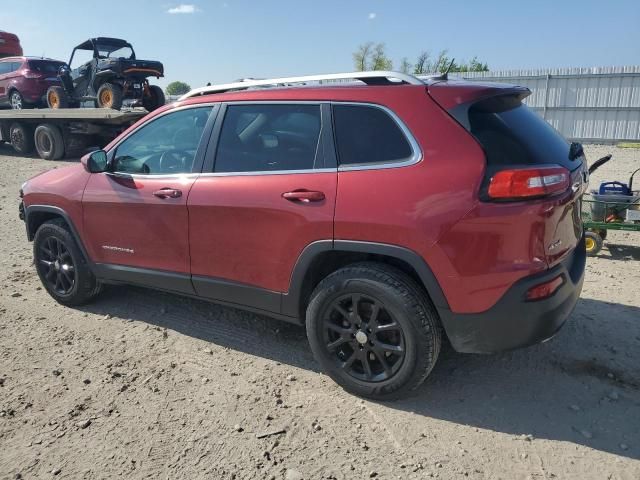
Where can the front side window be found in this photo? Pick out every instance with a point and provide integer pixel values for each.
(5, 67)
(166, 145)
(368, 135)
(266, 137)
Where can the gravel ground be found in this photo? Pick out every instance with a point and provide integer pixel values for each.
(144, 384)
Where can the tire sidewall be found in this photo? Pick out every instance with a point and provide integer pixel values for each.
(396, 308)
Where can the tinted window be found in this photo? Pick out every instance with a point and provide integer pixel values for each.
(259, 138)
(367, 134)
(165, 145)
(44, 66)
(513, 134)
(5, 67)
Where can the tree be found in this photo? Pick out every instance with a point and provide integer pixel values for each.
(362, 57)
(379, 59)
(405, 65)
(422, 63)
(177, 88)
(371, 56)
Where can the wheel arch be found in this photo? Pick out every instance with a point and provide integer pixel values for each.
(324, 257)
(36, 215)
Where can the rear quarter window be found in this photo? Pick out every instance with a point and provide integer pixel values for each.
(513, 134)
(368, 135)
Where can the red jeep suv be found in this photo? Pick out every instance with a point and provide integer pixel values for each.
(383, 213)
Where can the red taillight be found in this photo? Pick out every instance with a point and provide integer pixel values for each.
(529, 182)
(546, 289)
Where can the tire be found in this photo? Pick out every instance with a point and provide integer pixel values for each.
(16, 100)
(405, 332)
(57, 98)
(154, 100)
(602, 233)
(593, 243)
(49, 142)
(110, 96)
(21, 138)
(54, 248)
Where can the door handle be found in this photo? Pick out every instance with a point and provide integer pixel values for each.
(304, 196)
(168, 193)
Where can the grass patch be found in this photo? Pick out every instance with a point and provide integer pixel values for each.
(628, 145)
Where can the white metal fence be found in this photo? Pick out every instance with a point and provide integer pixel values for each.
(591, 105)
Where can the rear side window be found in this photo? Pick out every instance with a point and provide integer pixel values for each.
(368, 135)
(5, 67)
(513, 134)
(264, 137)
(44, 66)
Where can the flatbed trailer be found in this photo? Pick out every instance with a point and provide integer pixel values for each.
(65, 132)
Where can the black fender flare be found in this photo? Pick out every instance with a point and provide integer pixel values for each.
(292, 300)
(31, 209)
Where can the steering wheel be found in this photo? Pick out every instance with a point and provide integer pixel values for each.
(173, 161)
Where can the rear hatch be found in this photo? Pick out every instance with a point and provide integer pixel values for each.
(527, 159)
(46, 70)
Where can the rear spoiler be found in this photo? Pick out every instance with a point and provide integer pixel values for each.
(457, 97)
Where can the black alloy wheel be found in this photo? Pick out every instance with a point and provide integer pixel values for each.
(56, 266)
(363, 338)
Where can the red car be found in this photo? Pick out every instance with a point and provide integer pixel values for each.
(384, 215)
(9, 45)
(24, 81)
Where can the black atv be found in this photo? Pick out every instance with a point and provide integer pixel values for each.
(112, 75)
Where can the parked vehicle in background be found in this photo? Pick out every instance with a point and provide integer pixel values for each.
(9, 45)
(24, 81)
(55, 134)
(382, 215)
(106, 71)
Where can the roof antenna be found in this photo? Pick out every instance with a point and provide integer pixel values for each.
(444, 76)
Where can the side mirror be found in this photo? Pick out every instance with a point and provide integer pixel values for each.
(95, 162)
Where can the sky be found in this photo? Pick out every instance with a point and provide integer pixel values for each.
(219, 41)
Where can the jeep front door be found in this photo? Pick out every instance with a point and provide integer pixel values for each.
(135, 217)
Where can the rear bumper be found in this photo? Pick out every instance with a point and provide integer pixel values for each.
(514, 322)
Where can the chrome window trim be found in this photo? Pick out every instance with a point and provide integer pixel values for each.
(268, 172)
(416, 155)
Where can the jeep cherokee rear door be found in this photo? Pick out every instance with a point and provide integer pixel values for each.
(267, 191)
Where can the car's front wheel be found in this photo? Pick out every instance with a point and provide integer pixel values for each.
(374, 330)
(61, 265)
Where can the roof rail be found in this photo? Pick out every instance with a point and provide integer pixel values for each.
(380, 77)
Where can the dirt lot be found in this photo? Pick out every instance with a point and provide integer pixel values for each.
(144, 384)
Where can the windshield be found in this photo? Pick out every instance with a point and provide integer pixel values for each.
(107, 51)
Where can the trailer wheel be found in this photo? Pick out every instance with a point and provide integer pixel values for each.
(593, 243)
(49, 142)
(57, 98)
(110, 96)
(154, 100)
(21, 138)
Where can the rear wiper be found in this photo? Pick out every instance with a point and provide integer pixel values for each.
(575, 150)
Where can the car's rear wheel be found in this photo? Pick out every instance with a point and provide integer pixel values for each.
(61, 265)
(155, 98)
(110, 96)
(57, 98)
(374, 330)
(49, 142)
(21, 137)
(16, 100)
